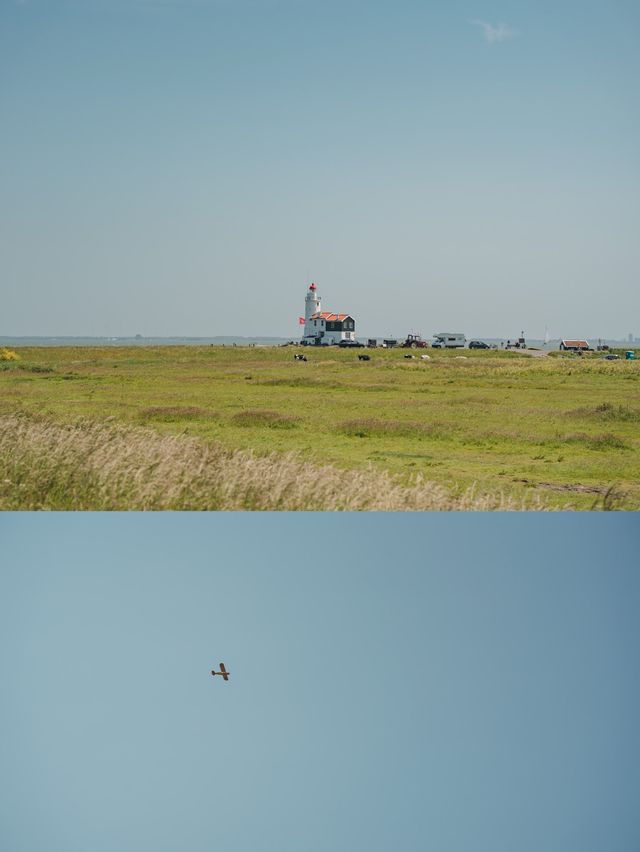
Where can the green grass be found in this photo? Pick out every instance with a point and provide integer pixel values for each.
(564, 429)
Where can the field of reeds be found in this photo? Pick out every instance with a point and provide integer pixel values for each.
(98, 466)
(250, 428)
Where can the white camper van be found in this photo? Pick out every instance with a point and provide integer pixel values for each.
(448, 340)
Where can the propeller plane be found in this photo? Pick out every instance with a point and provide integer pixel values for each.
(223, 672)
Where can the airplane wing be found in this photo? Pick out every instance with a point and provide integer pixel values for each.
(222, 668)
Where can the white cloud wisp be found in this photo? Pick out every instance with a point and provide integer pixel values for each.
(494, 32)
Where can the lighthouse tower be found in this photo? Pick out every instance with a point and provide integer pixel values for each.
(311, 307)
(324, 328)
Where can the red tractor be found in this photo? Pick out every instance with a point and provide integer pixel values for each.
(414, 341)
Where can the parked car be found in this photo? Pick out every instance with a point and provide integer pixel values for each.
(478, 344)
(351, 344)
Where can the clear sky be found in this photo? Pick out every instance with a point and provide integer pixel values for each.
(403, 682)
(185, 167)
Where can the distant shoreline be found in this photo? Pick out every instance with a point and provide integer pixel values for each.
(230, 340)
(68, 340)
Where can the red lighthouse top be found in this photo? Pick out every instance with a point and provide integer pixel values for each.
(312, 286)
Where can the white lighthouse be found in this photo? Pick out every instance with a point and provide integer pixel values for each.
(324, 329)
(311, 307)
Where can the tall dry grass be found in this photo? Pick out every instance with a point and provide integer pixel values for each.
(103, 466)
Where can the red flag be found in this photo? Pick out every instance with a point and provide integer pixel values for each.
(300, 320)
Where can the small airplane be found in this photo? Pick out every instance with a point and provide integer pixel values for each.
(225, 674)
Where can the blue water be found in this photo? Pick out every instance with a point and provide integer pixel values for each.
(142, 341)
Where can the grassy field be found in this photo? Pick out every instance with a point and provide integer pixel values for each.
(551, 431)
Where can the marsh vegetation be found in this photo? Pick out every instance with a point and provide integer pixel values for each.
(493, 430)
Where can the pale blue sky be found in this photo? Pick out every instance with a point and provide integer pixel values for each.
(182, 166)
(403, 682)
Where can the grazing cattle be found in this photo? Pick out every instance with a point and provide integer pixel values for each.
(409, 356)
(299, 357)
(426, 357)
(364, 357)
